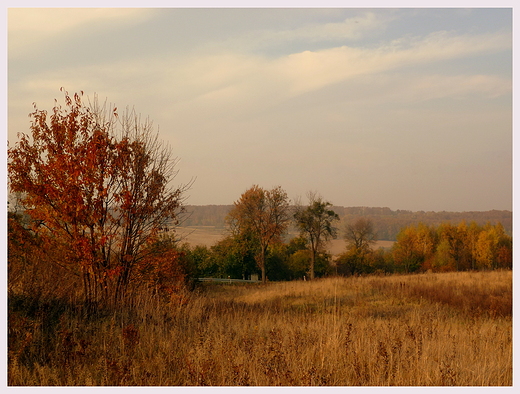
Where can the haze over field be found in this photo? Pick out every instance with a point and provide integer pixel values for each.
(400, 108)
(209, 236)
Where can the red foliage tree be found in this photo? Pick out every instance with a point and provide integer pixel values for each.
(98, 185)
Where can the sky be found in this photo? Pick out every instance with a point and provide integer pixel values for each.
(406, 108)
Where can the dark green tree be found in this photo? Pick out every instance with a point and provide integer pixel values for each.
(315, 223)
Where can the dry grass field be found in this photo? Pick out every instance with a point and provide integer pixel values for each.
(451, 329)
(210, 235)
(200, 235)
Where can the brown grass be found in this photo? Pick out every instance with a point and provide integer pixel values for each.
(210, 235)
(415, 330)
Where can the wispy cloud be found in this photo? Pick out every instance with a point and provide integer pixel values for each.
(350, 29)
(309, 71)
(230, 80)
(28, 27)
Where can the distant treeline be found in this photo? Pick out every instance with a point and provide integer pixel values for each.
(387, 223)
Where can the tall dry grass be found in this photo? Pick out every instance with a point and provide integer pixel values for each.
(376, 331)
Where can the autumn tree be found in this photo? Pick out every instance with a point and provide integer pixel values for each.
(262, 217)
(406, 251)
(454, 247)
(97, 184)
(315, 223)
(471, 238)
(494, 248)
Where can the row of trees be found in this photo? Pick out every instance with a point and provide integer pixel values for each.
(284, 261)
(260, 218)
(451, 247)
(420, 248)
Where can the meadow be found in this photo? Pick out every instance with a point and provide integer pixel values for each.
(432, 329)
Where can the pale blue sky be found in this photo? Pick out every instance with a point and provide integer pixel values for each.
(404, 108)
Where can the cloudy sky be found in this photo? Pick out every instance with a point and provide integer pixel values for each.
(400, 108)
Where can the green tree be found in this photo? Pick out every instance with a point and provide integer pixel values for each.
(230, 257)
(383, 261)
(262, 217)
(354, 261)
(298, 257)
(299, 263)
(315, 223)
(195, 259)
(277, 267)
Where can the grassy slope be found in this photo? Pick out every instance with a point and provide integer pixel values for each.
(431, 329)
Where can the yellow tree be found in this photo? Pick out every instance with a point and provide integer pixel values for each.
(425, 241)
(415, 245)
(262, 216)
(472, 235)
(448, 248)
(404, 250)
(465, 245)
(494, 248)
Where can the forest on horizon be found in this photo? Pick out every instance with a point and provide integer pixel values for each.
(387, 223)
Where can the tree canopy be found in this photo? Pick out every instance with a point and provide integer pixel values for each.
(264, 216)
(315, 223)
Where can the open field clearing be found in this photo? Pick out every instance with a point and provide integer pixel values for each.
(414, 330)
(200, 235)
(210, 235)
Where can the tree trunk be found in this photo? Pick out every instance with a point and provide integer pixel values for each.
(261, 263)
(313, 261)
